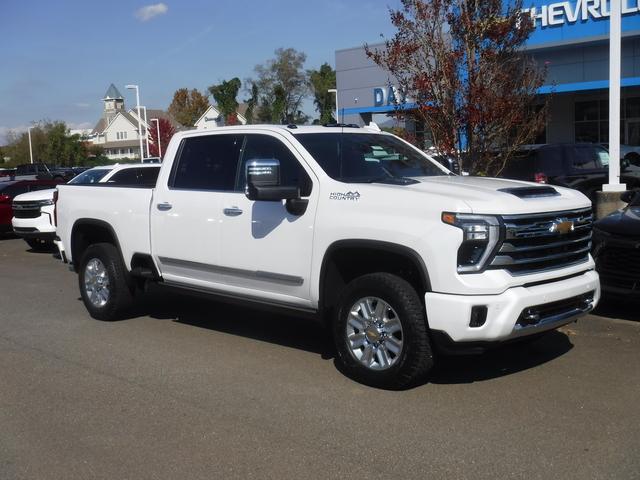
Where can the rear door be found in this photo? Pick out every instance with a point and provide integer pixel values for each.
(186, 212)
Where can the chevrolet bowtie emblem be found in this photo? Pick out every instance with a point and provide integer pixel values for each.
(562, 226)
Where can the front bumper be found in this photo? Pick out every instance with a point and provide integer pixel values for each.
(37, 227)
(451, 314)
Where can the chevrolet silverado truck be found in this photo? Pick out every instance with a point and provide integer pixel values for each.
(400, 257)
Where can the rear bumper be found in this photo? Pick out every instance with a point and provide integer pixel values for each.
(517, 312)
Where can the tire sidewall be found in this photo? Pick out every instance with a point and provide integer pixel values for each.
(105, 254)
(368, 286)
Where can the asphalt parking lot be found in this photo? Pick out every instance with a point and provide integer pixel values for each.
(195, 389)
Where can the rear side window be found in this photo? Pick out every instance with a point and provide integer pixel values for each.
(135, 176)
(208, 163)
(520, 166)
(587, 158)
(549, 160)
(265, 147)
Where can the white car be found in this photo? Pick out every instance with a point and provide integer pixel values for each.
(356, 227)
(33, 212)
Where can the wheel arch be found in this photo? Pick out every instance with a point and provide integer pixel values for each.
(89, 231)
(345, 260)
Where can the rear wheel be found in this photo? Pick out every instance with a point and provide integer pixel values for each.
(104, 284)
(381, 333)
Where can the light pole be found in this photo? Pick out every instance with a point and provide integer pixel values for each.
(135, 87)
(615, 29)
(158, 136)
(335, 90)
(30, 149)
(146, 130)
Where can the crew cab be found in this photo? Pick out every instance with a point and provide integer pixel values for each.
(396, 254)
(33, 211)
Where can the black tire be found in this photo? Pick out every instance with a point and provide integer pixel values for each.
(38, 244)
(415, 358)
(120, 289)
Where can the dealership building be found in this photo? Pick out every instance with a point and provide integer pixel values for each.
(570, 39)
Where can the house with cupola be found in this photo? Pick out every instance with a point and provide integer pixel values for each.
(117, 130)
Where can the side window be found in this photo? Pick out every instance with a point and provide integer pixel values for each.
(208, 163)
(149, 176)
(128, 176)
(584, 158)
(265, 147)
(22, 170)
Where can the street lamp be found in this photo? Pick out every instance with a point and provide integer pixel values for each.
(136, 88)
(146, 132)
(30, 149)
(158, 136)
(335, 90)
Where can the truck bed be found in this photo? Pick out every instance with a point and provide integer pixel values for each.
(124, 209)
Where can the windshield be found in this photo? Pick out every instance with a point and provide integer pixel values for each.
(366, 158)
(90, 176)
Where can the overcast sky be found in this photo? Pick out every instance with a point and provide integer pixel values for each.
(58, 58)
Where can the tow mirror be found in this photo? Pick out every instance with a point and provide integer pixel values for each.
(263, 182)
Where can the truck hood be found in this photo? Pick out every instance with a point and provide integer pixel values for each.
(488, 195)
(35, 196)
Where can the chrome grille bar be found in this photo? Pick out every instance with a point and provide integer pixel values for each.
(544, 241)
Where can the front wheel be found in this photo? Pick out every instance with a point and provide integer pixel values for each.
(381, 333)
(104, 286)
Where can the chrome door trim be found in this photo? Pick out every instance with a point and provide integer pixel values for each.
(235, 272)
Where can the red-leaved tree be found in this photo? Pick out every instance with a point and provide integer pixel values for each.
(166, 132)
(461, 62)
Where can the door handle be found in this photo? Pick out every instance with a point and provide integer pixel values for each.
(163, 207)
(232, 212)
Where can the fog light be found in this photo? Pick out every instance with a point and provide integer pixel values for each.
(478, 316)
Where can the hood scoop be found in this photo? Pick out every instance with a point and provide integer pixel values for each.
(531, 192)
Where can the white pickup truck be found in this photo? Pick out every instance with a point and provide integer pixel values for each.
(399, 256)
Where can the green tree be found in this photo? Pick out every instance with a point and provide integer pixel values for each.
(51, 144)
(282, 86)
(225, 94)
(320, 82)
(188, 106)
(252, 103)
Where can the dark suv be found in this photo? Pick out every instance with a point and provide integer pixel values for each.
(616, 249)
(583, 166)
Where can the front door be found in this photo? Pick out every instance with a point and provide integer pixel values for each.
(265, 250)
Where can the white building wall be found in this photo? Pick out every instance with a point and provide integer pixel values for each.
(120, 125)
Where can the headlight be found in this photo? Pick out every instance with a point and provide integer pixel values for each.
(45, 202)
(480, 235)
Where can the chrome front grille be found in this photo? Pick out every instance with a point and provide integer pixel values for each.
(538, 242)
(26, 209)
